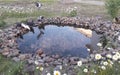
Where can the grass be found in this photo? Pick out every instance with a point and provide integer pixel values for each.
(42, 1)
(8, 67)
(2, 23)
(12, 17)
(23, 15)
(94, 69)
(50, 9)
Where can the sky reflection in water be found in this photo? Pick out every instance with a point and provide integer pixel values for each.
(65, 41)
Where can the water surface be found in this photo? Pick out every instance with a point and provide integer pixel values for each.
(63, 40)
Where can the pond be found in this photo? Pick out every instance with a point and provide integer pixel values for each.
(61, 40)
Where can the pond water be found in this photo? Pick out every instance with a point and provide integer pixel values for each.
(53, 39)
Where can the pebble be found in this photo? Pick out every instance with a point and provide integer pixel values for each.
(16, 59)
(39, 52)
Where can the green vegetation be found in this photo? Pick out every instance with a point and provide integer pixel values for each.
(8, 67)
(113, 7)
(43, 1)
(100, 70)
(73, 13)
(2, 23)
(25, 14)
(8, 17)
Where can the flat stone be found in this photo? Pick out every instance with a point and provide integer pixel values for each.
(24, 56)
(16, 59)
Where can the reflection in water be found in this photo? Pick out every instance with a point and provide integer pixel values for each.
(65, 41)
(86, 32)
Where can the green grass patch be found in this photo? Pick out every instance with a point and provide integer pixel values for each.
(2, 23)
(23, 15)
(9, 67)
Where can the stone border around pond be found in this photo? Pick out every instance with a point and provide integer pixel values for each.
(9, 47)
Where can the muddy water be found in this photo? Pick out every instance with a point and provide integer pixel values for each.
(62, 40)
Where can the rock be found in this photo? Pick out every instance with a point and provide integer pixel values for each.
(30, 61)
(13, 53)
(29, 68)
(24, 56)
(48, 59)
(39, 52)
(65, 61)
(56, 56)
(84, 60)
(16, 59)
(1, 31)
(5, 51)
(43, 55)
(56, 63)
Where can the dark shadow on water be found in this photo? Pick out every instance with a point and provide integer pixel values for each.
(65, 41)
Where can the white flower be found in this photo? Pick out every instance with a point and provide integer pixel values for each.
(115, 57)
(98, 56)
(108, 48)
(99, 44)
(37, 67)
(103, 67)
(36, 62)
(118, 55)
(85, 70)
(105, 63)
(41, 68)
(64, 74)
(109, 56)
(56, 73)
(79, 63)
(48, 74)
(75, 7)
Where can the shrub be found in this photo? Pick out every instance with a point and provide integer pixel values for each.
(73, 13)
(112, 7)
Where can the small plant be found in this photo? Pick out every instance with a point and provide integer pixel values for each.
(113, 7)
(72, 12)
(2, 23)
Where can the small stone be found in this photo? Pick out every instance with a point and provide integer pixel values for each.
(84, 60)
(24, 56)
(57, 56)
(39, 52)
(43, 55)
(30, 61)
(29, 68)
(56, 63)
(16, 59)
(15, 53)
(1, 31)
(5, 53)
